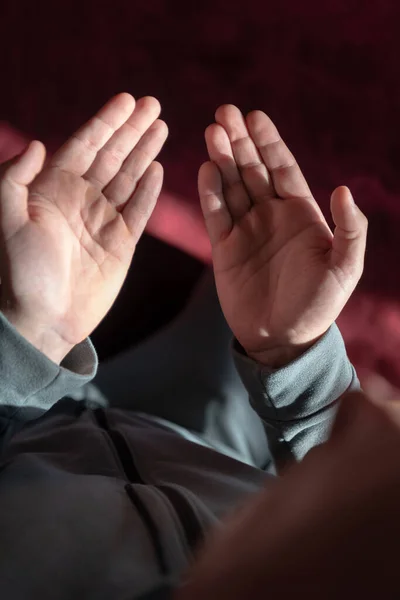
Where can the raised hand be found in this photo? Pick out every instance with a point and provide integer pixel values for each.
(68, 231)
(282, 276)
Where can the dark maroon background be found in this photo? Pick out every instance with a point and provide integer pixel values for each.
(327, 73)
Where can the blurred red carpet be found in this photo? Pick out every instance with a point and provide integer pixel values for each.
(327, 73)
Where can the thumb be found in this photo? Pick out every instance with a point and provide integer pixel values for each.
(15, 176)
(350, 235)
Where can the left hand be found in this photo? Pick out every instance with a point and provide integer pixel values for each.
(68, 231)
(282, 275)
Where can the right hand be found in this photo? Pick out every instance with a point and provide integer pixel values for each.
(282, 276)
(69, 229)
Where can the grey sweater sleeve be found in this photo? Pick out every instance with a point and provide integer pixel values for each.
(30, 382)
(298, 402)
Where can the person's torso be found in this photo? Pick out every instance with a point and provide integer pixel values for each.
(106, 504)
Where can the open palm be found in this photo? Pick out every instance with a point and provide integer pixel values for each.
(282, 276)
(68, 235)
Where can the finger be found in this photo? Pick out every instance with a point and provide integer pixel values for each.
(141, 205)
(16, 175)
(79, 152)
(252, 169)
(217, 217)
(287, 178)
(350, 235)
(112, 155)
(124, 183)
(219, 149)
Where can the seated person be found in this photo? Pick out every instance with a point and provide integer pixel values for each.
(110, 480)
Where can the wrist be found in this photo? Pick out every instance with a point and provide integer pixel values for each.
(278, 356)
(43, 339)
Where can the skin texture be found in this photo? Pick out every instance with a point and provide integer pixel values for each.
(68, 230)
(282, 275)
